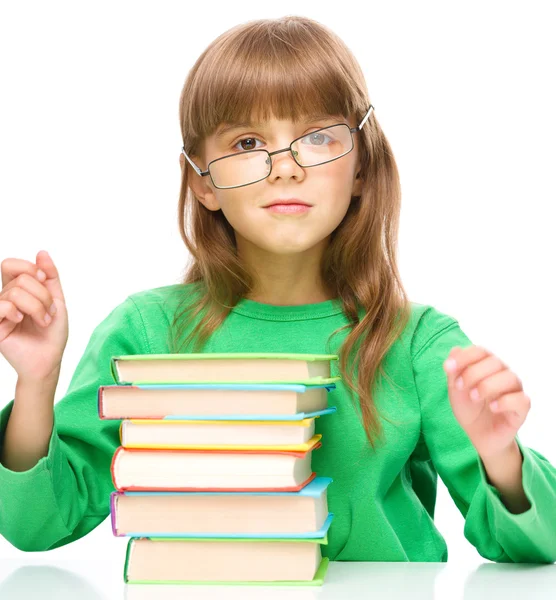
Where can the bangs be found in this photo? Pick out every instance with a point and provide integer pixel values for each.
(257, 77)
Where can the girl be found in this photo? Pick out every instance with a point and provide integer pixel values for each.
(277, 111)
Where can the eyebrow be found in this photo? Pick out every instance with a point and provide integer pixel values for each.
(240, 125)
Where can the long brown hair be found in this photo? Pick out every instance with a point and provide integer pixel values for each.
(289, 67)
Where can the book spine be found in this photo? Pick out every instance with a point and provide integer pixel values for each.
(113, 465)
(126, 564)
(100, 407)
(113, 513)
(113, 370)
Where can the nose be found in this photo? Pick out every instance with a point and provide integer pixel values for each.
(284, 166)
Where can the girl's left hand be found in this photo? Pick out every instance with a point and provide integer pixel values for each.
(490, 405)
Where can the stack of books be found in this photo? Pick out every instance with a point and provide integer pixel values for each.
(213, 476)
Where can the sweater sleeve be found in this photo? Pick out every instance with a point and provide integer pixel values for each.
(498, 535)
(66, 493)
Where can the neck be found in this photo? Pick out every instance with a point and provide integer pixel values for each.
(286, 279)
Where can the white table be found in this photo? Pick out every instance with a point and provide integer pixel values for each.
(38, 575)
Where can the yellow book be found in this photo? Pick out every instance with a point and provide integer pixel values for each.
(219, 434)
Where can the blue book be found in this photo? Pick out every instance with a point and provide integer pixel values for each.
(172, 401)
(307, 504)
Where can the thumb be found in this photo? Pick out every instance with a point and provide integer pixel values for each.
(52, 281)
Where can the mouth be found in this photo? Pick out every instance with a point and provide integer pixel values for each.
(289, 209)
(286, 201)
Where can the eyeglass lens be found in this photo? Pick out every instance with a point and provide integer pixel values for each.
(315, 148)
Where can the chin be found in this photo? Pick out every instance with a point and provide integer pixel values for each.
(291, 247)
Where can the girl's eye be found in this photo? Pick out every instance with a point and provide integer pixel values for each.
(249, 146)
(316, 137)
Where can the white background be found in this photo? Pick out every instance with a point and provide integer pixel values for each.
(90, 143)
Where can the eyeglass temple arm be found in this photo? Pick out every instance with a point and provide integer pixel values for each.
(366, 117)
(197, 170)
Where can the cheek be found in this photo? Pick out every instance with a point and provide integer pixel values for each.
(333, 188)
(241, 212)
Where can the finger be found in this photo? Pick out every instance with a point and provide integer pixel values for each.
(494, 386)
(8, 311)
(12, 267)
(517, 403)
(459, 359)
(27, 304)
(52, 281)
(463, 357)
(35, 288)
(477, 372)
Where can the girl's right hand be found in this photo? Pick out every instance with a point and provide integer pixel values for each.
(33, 348)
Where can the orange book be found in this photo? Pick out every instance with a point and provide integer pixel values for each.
(158, 469)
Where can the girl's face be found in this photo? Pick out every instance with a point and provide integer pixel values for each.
(327, 187)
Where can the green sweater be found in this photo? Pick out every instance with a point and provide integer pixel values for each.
(383, 500)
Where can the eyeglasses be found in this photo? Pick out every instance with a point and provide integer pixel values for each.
(244, 168)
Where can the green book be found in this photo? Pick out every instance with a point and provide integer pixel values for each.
(317, 580)
(223, 367)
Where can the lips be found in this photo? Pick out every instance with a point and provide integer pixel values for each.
(287, 201)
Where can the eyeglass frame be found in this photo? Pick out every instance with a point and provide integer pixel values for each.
(202, 173)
